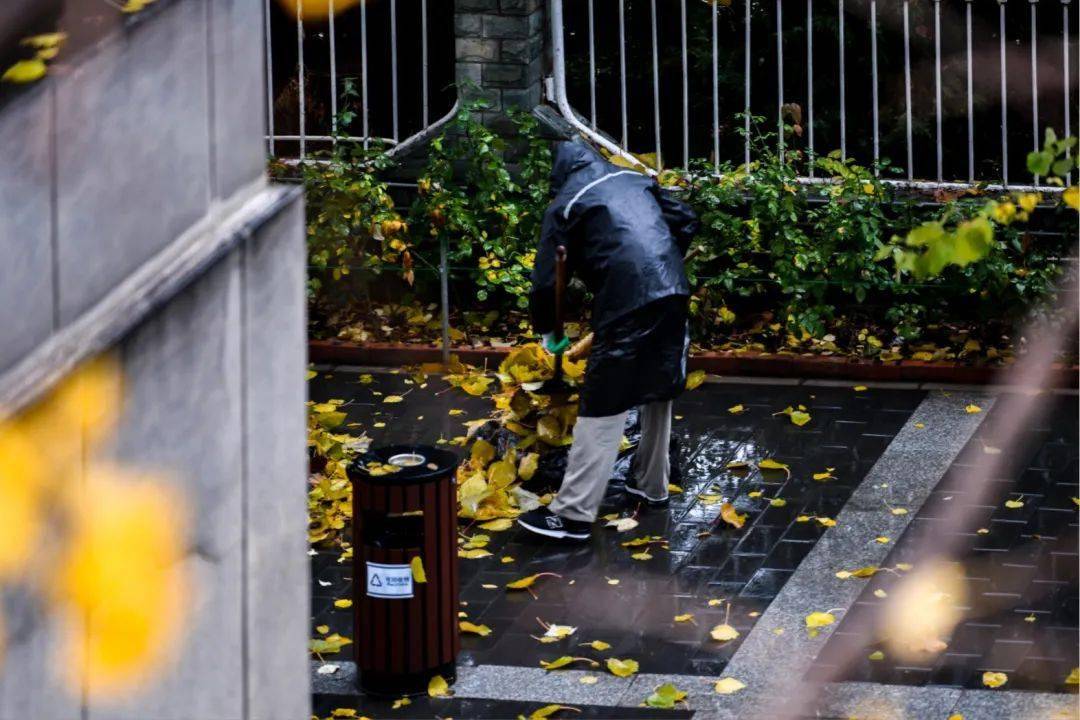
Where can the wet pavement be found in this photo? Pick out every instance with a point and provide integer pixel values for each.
(632, 604)
(1021, 616)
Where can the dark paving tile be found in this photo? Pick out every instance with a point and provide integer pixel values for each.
(742, 569)
(479, 709)
(1020, 571)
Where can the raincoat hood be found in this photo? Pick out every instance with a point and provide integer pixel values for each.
(572, 156)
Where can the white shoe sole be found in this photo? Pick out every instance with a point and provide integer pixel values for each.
(559, 534)
(641, 494)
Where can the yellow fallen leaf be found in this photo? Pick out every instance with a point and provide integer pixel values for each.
(737, 465)
(879, 593)
(417, 566)
(1014, 504)
(437, 687)
(612, 581)
(1074, 677)
(566, 660)
(468, 627)
(859, 388)
(497, 525)
(400, 703)
(489, 586)
(899, 511)
(876, 655)
(823, 476)
(695, 379)
(754, 494)
(736, 409)
(598, 645)
(972, 409)
(728, 686)
(881, 539)
(731, 516)
(506, 559)
(920, 426)
(622, 668)
(770, 464)
(723, 633)
(994, 679)
(322, 629)
(825, 522)
(343, 603)
(643, 555)
(25, 71)
(526, 582)
(799, 418)
(713, 602)
(819, 619)
(688, 617)
(1030, 618)
(391, 399)
(674, 489)
(588, 680)
(778, 502)
(547, 711)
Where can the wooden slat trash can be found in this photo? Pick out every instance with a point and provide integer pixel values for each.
(404, 508)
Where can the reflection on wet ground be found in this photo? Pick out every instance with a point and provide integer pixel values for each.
(1021, 572)
(603, 592)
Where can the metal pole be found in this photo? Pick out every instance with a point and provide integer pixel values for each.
(1035, 78)
(685, 89)
(746, 88)
(810, 81)
(1004, 97)
(333, 75)
(270, 77)
(656, 86)
(300, 68)
(444, 296)
(1068, 85)
(937, 86)
(874, 77)
(424, 60)
(592, 68)
(394, 70)
(843, 89)
(970, 99)
(780, 76)
(907, 91)
(715, 93)
(622, 72)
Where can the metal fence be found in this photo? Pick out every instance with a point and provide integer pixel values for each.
(829, 23)
(351, 37)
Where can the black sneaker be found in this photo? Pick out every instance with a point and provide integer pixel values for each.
(632, 488)
(544, 522)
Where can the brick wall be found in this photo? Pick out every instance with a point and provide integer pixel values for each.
(500, 51)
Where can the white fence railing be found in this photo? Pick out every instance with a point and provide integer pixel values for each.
(418, 78)
(1011, 82)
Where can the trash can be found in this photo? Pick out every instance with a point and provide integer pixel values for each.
(405, 507)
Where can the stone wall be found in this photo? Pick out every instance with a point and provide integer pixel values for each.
(137, 221)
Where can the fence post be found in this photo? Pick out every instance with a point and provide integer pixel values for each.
(499, 48)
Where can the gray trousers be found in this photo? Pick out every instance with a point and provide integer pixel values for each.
(593, 454)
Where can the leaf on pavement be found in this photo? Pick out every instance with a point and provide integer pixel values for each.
(468, 627)
(437, 687)
(728, 686)
(622, 668)
(731, 516)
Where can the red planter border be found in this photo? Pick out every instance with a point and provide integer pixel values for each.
(745, 365)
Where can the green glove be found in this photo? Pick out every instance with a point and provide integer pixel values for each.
(553, 347)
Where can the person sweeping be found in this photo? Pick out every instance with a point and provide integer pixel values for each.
(625, 237)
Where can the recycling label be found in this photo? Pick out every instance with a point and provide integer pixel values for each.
(394, 582)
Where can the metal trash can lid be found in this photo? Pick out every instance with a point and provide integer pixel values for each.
(404, 464)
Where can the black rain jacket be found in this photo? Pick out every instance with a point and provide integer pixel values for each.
(624, 235)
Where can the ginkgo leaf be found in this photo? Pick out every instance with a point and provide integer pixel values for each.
(972, 409)
(437, 687)
(876, 655)
(588, 679)
(527, 581)
(778, 502)
(819, 619)
(1074, 677)
(566, 660)
(859, 388)
(25, 71)
(622, 524)
(643, 555)
(731, 516)
(417, 566)
(728, 686)
(548, 710)
(687, 617)
(391, 399)
(799, 418)
(823, 476)
(882, 540)
(994, 679)
(400, 703)
(825, 522)
(723, 633)
(473, 554)
(899, 511)
(468, 627)
(665, 697)
(343, 603)
(695, 379)
(1014, 504)
(558, 632)
(322, 629)
(622, 668)
(497, 525)
(736, 409)
(770, 464)
(598, 645)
